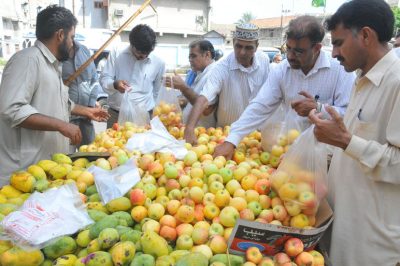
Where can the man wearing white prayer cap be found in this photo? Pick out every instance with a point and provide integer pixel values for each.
(233, 82)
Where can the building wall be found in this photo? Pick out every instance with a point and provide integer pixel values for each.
(90, 13)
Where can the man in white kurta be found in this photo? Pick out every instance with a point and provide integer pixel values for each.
(233, 82)
(364, 176)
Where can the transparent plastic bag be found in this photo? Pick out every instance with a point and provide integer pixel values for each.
(158, 139)
(301, 178)
(168, 107)
(115, 183)
(46, 216)
(281, 129)
(132, 111)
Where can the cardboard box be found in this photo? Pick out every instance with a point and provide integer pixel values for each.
(270, 238)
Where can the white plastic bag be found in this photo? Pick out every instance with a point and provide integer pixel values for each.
(132, 111)
(115, 183)
(301, 177)
(157, 139)
(279, 129)
(46, 216)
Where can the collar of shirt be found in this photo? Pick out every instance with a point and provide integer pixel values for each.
(322, 62)
(128, 51)
(48, 54)
(234, 64)
(376, 73)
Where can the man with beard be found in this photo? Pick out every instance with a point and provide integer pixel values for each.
(364, 180)
(307, 72)
(34, 105)
(232, 83)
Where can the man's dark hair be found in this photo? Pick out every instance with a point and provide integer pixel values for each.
(52, 19)
(143, 38)
(357, 14)
(204, 46)
(306, 27)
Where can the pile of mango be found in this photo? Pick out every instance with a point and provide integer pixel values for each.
(128, 232)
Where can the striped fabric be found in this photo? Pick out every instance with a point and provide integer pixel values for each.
(328, 79)
(234, 86)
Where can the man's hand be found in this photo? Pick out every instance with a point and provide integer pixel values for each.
(331, 131)
(97, 114)
(72, 132)
(304, 106)
(121, 85)
(190, 136)
(225, 149)
(175, 82)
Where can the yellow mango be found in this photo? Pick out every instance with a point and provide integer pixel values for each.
(5, 245)
(61, 158)
(74, 174)
(86, 177)
(119, 204)
(57, 183)
(58, 172)
(23, 181)
(7, 208)
(16, 256)
(37, 172)
(96, 206)
(46, 165)
(10, 191)
(122, 253)
(3, 199)
(65, 260)
(16, 201)
(81, 162)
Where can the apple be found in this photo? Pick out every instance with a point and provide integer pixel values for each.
(222, 198)
(145, 161)
(215, 177)
(185, 214)
(288, 191)
(216, 186)
(262, 186)
(266, 261)
(138, 213)
(318, 258)
(307, 199)
(279, 212)
(151, 225)
(204, 249)
(199, 236)
(218, 244)
(211, 211)
(208, 198)
(196, 172)
(247, 214)
(172, 184)
(293, 247)
(292, 207)
(190, 158)
(252, 195)
(184, 229)
(292, 135)
(265, 201)
(238, 203)
(173, 206)
(184, 242)
(171, 172)
(150, 190)
(168, 220)
(281, 258)
(232, 186)
(184, 180)
(240, 193)
(238, 156)
(277, 150)
(228, 216)
(276, 201)
(255, 207)
(156, 211)
(265, 157)
(304, 259)
(254, 255)
(226, 173)
(216, 229)
(278, 179)
(210, 169)
(248, 181)
(239, 173)
(267, 215)
(168, 233)
(274, 161)
(299, 221)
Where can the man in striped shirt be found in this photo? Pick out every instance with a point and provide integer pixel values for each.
(233, 82)
(307, 72)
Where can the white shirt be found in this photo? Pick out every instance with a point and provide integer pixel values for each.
(197, 86)
(327, 78)
(233, 86)
(144, 76)
(364, 180)
(31, 84)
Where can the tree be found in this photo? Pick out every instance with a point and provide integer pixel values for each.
(246, 18)
(396, 12)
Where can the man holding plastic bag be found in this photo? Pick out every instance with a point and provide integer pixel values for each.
(364, 182)
(134, 69)
(307, 79)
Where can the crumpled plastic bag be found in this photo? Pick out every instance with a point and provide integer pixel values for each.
(46, 216)
(132, 111)
(157, 139)
(112, 184)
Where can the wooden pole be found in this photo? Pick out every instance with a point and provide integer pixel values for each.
(101, 49)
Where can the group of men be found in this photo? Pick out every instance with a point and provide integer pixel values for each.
(358, 89)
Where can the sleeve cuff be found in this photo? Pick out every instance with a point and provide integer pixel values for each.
(71, 106)
(211, 100)
(234, 139)
(356, 147)
(23, 113)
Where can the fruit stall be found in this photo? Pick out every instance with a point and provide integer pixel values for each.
(173, 208)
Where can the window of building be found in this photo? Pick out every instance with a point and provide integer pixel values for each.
(98, 4)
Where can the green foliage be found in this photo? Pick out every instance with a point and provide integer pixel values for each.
(246, 18)
(3, 62)
(396, 12)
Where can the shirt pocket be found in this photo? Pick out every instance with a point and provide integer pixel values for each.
(366, 130)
